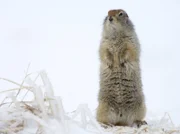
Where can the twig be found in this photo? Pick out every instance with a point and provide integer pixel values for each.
(10, 81)
(17, 101)
(170, 119)
(24, 87)
(28, 90)
(26, 74)
(3, 101)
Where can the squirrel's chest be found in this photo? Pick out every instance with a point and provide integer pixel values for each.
(116, 55)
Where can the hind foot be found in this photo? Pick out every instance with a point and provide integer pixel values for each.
(106, 125)
(140, 123)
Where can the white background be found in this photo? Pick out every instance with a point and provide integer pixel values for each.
(63, 38)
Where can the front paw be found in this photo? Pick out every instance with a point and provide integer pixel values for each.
(109, 63)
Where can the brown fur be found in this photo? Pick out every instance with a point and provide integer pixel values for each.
(121, 99)
(114, 12)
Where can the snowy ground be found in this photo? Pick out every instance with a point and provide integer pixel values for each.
(44, 113)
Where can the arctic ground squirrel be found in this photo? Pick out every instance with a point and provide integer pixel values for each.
(121, 98)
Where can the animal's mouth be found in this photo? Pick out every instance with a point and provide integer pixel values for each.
(127, 20)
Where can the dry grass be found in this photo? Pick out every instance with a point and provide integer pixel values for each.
(17, 107)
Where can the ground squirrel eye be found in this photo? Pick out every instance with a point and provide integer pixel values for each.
(120, 14)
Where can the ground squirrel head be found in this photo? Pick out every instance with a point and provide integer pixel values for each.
(117, 21)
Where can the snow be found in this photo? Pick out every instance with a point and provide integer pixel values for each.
(44, 114)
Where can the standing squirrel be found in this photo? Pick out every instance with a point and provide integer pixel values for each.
(121, 99)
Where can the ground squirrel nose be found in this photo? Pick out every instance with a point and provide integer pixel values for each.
(110, 18)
